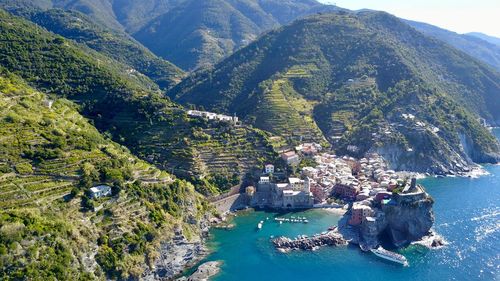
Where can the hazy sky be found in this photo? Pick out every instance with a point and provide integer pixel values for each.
(457, 15)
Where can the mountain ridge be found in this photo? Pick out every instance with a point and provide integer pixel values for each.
(485, 37)
(476, 47)
(114, 44)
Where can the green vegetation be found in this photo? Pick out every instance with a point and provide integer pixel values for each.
(284, 112)
(128, 107)
(214, 29)
(475, 47)
(114, 44)
(37, 246)
(354, 75)
(51, 156)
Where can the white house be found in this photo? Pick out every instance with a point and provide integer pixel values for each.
(100, 191)
(264, 180)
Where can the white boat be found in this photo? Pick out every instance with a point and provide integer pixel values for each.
(259, 225)
(391, 256)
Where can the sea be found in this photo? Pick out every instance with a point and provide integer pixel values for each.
(467, 216)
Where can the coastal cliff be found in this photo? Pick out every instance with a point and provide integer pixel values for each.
(428, 151)
(405, 218)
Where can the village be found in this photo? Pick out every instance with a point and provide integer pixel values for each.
(363, 186)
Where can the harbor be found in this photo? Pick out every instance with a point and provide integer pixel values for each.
(470, 255)
(292, 220)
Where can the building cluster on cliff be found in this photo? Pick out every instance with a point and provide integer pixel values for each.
(363, 182)
(380, 200)
(213, 116)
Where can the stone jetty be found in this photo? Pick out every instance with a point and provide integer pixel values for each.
(331, 238)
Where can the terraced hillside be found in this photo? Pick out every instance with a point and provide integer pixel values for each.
(50, 157)
(284, 112)
(215, 155)
(354, 74)
(125, 105)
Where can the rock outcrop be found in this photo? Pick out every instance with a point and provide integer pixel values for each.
(179, 253)
(204, 272)
(406, 218)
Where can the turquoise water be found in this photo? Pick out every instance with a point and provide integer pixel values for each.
(467, 215)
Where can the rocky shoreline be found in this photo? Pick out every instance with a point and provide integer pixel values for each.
(204, 272)
(431, 241)
(175, 258)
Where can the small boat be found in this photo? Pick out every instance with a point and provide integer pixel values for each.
(390, 256)
(281, 222)
(259, 225)
(305, 221)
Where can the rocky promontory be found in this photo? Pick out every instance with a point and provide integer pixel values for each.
(407, 217)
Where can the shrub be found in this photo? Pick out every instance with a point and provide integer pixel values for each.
(24, 168)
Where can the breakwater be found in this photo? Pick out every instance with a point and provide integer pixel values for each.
(330, 238)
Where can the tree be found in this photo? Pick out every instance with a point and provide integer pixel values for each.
(89, 175)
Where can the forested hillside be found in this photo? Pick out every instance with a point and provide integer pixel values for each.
(114, 44)
(50, 157)
(127, 106)
(358, 73)
(211, 29)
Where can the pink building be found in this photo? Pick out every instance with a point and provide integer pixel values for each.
(345, 191)
(358, 213)
(291, 158)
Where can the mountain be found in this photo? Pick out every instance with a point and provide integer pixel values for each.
(129, 107)
(356, 77)
(114, 44)
(133, 14)
(129, 15)
(475, 46)
(491, 39)
(213, 29)
(50, 157)
(100, 11)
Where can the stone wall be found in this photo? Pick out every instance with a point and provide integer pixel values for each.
(231, 203)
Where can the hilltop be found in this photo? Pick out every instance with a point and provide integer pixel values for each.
(485, 37)
(354, 75)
